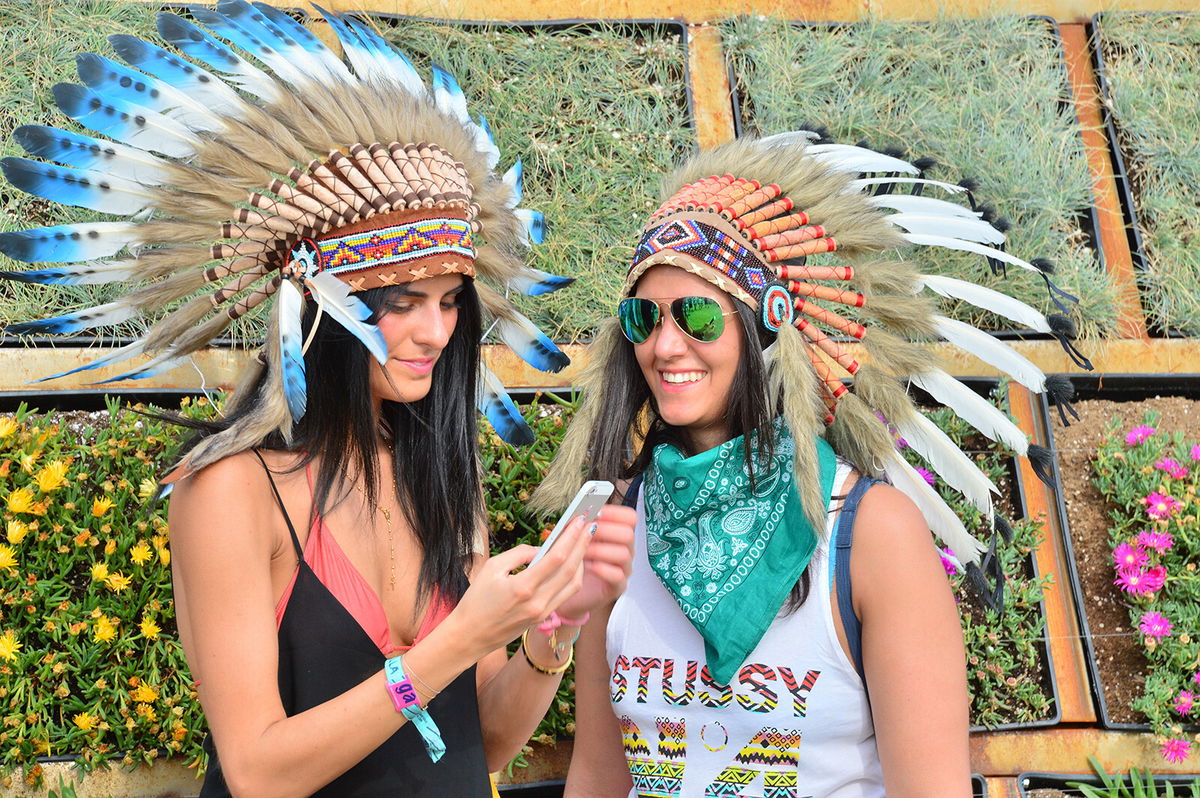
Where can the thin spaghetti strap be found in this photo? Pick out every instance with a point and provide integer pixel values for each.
(282, 509)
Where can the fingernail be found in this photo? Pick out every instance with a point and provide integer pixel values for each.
(593, 529)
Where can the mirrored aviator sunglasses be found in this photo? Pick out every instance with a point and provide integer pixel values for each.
(698, 317)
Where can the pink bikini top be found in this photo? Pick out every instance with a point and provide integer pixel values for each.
(331, 565)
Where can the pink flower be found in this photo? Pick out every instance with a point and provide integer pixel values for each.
(1129, 557)
(1155, 578)
(1133, 581)
(1176, 750)
(1155, 625)
(928, 477)
(1184, 704)
(1138, 434)
(1196, 677)
(1175, 469)
(1196, 452)
(947, 555)
(1159, 541)
(1160, 506)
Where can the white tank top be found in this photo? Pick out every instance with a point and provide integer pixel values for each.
(793, 723)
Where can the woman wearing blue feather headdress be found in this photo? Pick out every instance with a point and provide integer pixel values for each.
(340, 615)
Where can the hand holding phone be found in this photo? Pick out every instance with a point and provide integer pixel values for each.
(586, 505)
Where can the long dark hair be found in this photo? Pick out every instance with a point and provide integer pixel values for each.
(628, 413)
(435, 472)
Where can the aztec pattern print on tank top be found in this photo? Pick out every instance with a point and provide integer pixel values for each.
(792, 722)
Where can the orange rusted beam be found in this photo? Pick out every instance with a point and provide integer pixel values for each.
(707, 10)
(1002, 787)
(1066, 750)
(1062, 624)
(712, 105)
(1117, 259)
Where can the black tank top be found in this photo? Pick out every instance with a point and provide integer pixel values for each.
(323, 652)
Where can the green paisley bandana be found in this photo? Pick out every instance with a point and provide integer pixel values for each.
(729, 553)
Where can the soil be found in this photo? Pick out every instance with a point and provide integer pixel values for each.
(1119, 659)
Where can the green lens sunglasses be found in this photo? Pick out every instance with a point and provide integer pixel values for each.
(698, 317)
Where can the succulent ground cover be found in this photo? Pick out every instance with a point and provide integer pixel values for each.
(1149, 60)
(984, 97)
(1150, 481)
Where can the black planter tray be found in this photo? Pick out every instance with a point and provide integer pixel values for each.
(1127, 387)
(537, 789)
(1037, 780)
(1089, 223)
(1133, 227)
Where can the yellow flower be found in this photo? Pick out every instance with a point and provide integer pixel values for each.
(105, 629)
(101, 506)
(110, 545)
(117, 582)
(144, 694)
(140, 554)
(99, 571)
(146, 489)
(17, 530)
(9, 645)
(20, 500)
(8, 560)
(8, 426)
(52, 477)
(149, 628)
(28, 461)
(84, 721)
(164, 556)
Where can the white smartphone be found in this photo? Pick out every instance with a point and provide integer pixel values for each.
(586, 505)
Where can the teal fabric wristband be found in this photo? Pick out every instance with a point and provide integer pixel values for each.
(404, 697)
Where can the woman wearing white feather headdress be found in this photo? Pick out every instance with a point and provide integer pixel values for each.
(346, 630)
(747, 641)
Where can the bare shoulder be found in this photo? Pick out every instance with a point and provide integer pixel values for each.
(893, 547)
(230, 496)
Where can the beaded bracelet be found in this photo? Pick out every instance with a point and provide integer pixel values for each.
(555, 671)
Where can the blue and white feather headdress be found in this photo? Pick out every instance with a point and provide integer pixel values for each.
(322, 179)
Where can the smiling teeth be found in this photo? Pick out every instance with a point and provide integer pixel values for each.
(678, 378)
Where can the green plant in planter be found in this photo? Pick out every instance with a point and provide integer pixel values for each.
(967, 92)
(1139, 784)
(89, 660)
(1151, 479)
(1005, 673)
(1148, 57)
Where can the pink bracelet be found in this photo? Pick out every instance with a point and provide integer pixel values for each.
(555, 620)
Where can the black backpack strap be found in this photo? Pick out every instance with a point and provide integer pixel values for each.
(843, 537)
(282, 509)
(631, 492)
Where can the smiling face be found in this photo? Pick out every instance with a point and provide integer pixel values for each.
(689, 380)
(416, 320)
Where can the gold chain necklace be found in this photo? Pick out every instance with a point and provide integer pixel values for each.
(386, 512)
